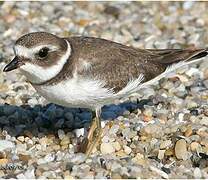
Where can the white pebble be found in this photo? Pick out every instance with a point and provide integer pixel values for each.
(49, 157)
(161, 154)
(107, 148)
(192, 71)
(197, 173)
(79, 132)
(127, 149)
(158, 171)
(21, 138)
(4, 144)
(61, 134)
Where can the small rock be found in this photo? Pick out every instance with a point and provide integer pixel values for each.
(159, 172)
(79, 132)
(204, 121)
(161, 154)
(21, 176)
(61, 134)
(65, 141)
(139, 159)
(21, 138)
(21, 148)
(43, 141)
(24, 158)
(41, 161)
(192, 71)
(148, 112)
(116, 145)
(165, 144)
(194, 146)
(187, 5)
(112, 10)
(188, 132)
(107, 148)
(206, 83)
(30, 173)
(180, 117)
(49, 158)
(114, 129)
(191, 104)
(78, 158)
(4, 144)
(59, 155)
(197, 173)
(181, 149)
(127, 149)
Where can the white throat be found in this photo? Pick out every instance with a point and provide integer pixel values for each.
(37, 74)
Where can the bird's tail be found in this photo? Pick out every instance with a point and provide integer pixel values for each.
(171, 56)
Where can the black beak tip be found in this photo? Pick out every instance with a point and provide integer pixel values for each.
(5, 69)
(12, 65)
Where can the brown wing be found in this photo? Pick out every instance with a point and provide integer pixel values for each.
(116, 64)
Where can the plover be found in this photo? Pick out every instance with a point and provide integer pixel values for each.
(90, 72)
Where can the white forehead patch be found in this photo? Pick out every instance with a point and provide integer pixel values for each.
(30, 52)
(38, 74)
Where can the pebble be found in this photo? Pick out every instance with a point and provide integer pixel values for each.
(49, 158)
(79, 132)
(4, 144)
(165, 144)
(192, 71)
(148, 112)
(204, 121)
(127, 150)
(79, 158)
(61, 134)
(188, 4)
(21, 138)
(194, 146)
(161, 154)
(197, 173)
(107, 148)
(158, 171)
(181, 149)
(139, 159)
(65, 141)
(188, 132)
(116, 145)
(24, 158)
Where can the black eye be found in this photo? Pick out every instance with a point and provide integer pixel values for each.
(43, 52)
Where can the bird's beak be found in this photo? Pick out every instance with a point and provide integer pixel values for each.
(14, 64)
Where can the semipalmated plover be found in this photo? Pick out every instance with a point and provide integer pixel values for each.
(91, 72)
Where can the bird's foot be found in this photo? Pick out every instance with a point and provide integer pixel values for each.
(93, 143)
(92, 140)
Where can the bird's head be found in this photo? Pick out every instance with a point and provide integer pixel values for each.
(39, 56)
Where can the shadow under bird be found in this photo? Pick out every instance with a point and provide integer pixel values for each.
(90, 72)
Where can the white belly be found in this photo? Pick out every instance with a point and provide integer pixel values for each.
(83, 93)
